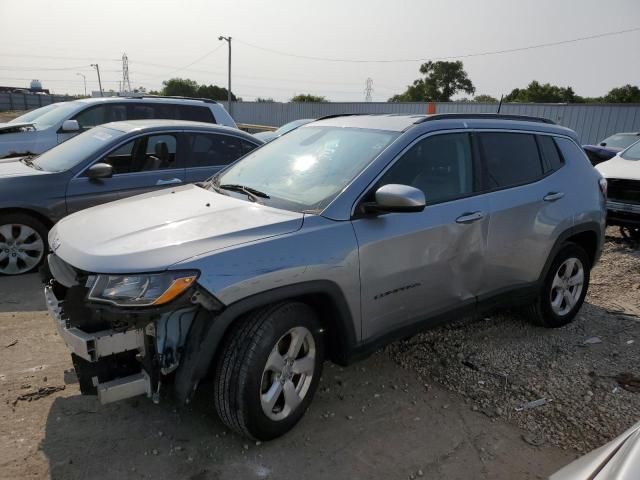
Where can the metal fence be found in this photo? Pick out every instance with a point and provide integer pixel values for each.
(591, 122)
(28, 101)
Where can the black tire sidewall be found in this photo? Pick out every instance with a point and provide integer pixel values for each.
(277, 324)
(35, 224)
(570, 250)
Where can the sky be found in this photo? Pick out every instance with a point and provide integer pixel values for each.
(55, 41)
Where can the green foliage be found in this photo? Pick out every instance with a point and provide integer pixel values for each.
(625, 94)
(308, 98)
(542, 93)
(184, 87)
(441, 81)
(485, 99)
(265, 100)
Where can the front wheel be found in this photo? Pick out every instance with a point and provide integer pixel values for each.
(268, 370)
(22, 243)
(563, 289)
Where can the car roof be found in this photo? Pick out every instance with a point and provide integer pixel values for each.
(148, 99)
(127, 126)
(404, 122)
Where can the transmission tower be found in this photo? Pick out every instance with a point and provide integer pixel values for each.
(368, 89)
(126, 84)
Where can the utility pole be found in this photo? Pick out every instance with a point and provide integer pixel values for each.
(84, 77)
(229, 106)
(97, 67)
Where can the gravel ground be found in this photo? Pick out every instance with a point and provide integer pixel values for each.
(587, 372)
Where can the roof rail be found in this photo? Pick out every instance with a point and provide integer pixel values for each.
(335, 115)
(205, 100)
(484, 116)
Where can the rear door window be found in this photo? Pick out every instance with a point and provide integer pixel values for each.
(195, 113)
(207, 149)
(509, 159)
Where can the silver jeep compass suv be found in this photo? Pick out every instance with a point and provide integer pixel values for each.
(326, 243)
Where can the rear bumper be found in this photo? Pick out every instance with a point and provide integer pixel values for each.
(93, 347)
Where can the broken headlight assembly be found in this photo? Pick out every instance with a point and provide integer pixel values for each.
(140, 290)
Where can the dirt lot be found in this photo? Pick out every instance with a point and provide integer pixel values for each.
(6, 116)
(440, 405)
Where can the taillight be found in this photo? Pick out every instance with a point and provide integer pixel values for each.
(602, 183)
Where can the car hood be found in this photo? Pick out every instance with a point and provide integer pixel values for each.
(618, 167)
(617, 460)
(153, 231)
(13, 167)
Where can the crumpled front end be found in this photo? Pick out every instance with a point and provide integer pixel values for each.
(119, 352)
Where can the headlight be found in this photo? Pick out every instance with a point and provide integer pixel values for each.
(140, 290)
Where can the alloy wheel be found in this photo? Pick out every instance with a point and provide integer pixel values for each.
(567, 286)
(288, 373)
(21, 248)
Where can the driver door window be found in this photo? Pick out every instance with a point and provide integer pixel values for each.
(441, 166)
(144, 154)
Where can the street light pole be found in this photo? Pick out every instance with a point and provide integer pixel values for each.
(97, 67)
(85, 82)
(228, 40)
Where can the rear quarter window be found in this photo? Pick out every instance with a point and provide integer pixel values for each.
(551, 158)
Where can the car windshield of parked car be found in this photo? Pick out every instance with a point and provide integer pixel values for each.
(632, 153)
(307, 168)
(620, 140)
(55, 115)
(33, 114)
(68, 154)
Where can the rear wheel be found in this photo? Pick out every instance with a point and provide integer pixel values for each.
(268, 370)
(563, 290)
(22, 243)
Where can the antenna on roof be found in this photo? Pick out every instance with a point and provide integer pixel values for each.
(500, 104)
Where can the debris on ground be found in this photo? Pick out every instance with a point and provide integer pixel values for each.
(532, 404)
(38, 394)
(11, 344)
(592, 341)
(629, 382)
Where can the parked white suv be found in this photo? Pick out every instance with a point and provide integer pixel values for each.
(36, 133)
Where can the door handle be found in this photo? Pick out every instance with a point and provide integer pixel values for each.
(553, 196)
(171, 181)
(470, 217)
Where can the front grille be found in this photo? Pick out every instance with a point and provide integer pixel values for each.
(624, 191)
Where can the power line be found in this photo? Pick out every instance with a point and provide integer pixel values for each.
(199, 59)
(450, 57)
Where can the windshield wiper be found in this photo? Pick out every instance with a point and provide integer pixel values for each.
(252, 193)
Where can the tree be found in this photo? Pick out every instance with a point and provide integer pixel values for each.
(543, 93)
(185, 87)
(625, 94)
(442, 80)
(308, 98)
(485, 99)
(265, 100)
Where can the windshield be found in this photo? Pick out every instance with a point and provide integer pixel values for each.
(307, 168)
(33, 114)
(287, 127)
(55, 115)
(620, 140)
(70, 153)
(632, 153)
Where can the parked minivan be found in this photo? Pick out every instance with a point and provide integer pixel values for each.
(41, 129)
(329, 242)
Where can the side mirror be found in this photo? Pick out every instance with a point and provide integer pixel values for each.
(99, 170)
(397, 198)
(70, 126)
(603, 144)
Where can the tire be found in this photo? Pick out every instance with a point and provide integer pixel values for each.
(244, 382)
(23, 243)
(553, 309)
